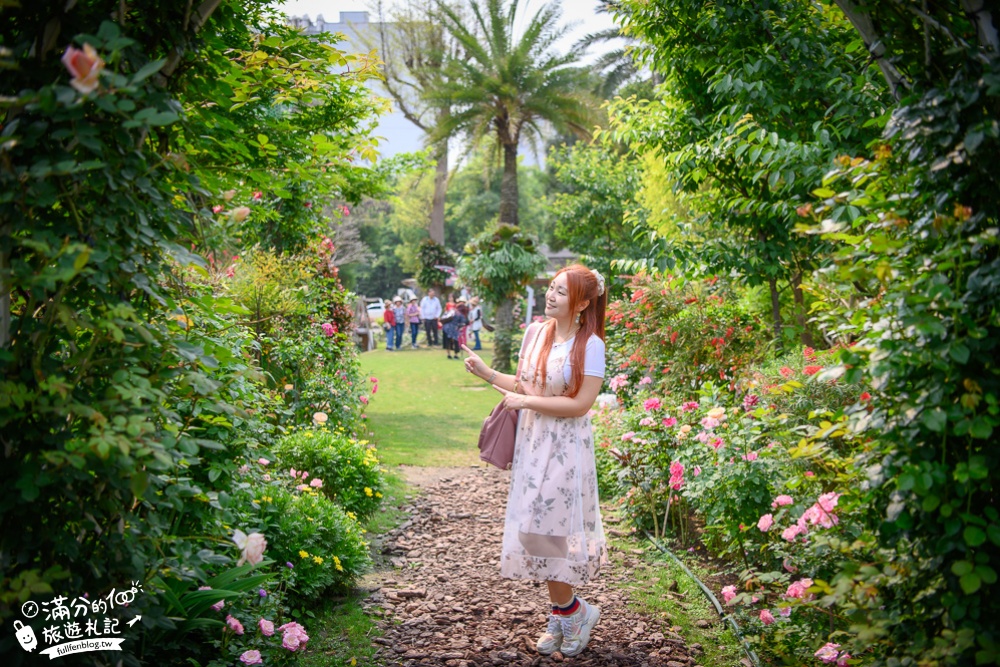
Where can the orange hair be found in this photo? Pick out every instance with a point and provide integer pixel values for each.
(582, 286)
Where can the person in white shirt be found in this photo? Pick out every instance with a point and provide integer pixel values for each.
(553, 531)
(430, 311)
(476, 320)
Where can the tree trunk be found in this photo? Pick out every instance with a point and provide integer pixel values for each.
(436, 228)
(508, 186)
(986, 29)
(775, 310)
(504, 322)
(4, 305)
(800, 310)
(873, 41)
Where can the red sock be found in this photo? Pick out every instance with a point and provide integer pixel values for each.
(568, 609)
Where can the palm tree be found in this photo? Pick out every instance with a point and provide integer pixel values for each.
(508, 86)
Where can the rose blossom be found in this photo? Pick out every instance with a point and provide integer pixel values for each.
(316, 483)
(766, 617)
(234, 624)
(791, 532)
(266, 627)
(328, 329)
(646, 380)
(686, 428)
(786, 611)
(752, 456)
(670, 421)
(646, 421)
(842, 660)
(828, 653)
(828, 501)
(717, 413)
(319, 418)
(689, 406)
(252, 545)
(728, 593)
(85, 66)
(240, 213)
(797, 589)
(765, 523)
(782, 500)
(651, 404)
(251, 657)
(709, 422)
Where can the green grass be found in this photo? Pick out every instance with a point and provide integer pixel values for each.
(662, 590)
(428, 410)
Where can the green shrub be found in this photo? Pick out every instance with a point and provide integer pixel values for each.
(324, 545)
(349, 468)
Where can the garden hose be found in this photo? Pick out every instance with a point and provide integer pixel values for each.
(711, 598)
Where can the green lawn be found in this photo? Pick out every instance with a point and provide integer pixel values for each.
(428, 410)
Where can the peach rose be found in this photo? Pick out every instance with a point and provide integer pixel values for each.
(85, 66)
(253, 546)
(240, 213)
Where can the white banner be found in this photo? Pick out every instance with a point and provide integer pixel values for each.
(84, 645)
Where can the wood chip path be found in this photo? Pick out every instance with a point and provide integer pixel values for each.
(445, 603)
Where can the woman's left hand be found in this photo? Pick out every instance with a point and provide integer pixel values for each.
(511, 400)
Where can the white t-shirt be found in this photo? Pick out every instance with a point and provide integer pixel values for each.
(594, 363)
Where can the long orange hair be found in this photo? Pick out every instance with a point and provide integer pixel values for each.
(582, 285)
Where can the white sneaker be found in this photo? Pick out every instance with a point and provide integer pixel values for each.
(551, 639)
(576, 628)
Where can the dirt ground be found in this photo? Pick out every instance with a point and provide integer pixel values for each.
(443, 601)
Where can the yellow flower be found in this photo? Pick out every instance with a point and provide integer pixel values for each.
(352, 515)
(368, 492)
(303, 554)
(317, 560)
(378, 494)
(336, 564)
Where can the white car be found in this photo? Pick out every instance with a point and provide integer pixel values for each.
(376, 311)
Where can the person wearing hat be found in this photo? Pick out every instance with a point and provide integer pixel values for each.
(453, 326)
(413, 318)
(399, 311)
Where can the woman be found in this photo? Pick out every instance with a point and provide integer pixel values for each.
(553, 531)
(399, 314)
(453, 327)
(389, 324)
(413, 317)
(476, 321)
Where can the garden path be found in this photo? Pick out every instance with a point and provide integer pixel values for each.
(444, 602)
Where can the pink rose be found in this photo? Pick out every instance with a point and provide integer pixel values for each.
(828, 501)
(234, 624)
(709, 422)
(828, 653)
(697, 470)
(85, 66)
(239, 214)
(646, 380)
(728, 593)
(251, 658)
(670, 421)
(786, 611)
(252, 546)
(766, 617)
(328, 329)
(266, 627)
(316, 483)
(765, 523)
(689, 406)
(646, 421)
(797, 589)
(257, 195)
(791, 533)
(781, 501)
(263, 461)
(842, 660)
(217, 208)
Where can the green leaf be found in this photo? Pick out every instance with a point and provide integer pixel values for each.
(970, 583)
(981, 428)
(961, 567)
(147, 70)
(974, 536)
(935, 419)
(959, 353)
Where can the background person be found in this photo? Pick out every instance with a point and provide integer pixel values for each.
(413, 319)
(399, 314)
(430, 311)
(389, 324)
(475, 321)
(553, 530)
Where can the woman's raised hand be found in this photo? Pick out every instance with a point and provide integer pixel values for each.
(474, 364)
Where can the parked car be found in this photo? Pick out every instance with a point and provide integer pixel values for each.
(376, 311)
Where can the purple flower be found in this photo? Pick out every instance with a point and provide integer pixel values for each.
(262, 593)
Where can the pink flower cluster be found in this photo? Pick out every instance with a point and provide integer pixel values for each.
(670, 421)
(645, 380)
(293, 636)
(689, 406)
(676, 475)
(234, 624)
(651, 404)
(618, 381)
(728, 593)
(820, 514)
(797, 589)
(831, 653)
(329, 329)
(316, 482)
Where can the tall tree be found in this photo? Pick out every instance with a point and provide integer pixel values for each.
(509, 84)
(414, 48)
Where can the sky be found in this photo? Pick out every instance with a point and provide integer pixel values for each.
(579, 12)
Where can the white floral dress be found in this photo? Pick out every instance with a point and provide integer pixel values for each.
(553, 528)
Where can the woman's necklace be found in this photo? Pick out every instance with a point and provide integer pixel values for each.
(572, 332)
